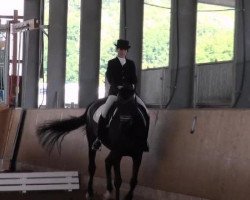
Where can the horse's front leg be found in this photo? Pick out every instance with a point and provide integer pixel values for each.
(133, 182)
(118, 178)
(91, 168)
(108, 167)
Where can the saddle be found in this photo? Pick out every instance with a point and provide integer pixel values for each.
(113, 110)
(125, 113)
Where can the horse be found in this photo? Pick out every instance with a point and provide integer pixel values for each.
(125, 135)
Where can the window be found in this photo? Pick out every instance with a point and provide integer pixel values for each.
(43, 79)
(215, 33)
(7, 41)
(72, 53)
(156, 33)
(7, 8)
(110, 28)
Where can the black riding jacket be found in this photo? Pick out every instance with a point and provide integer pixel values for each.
(120, 75)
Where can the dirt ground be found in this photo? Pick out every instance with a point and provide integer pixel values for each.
(141, 193)
(51, 195)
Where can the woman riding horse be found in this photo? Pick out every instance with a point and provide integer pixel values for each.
(121, 71)
(128, 125)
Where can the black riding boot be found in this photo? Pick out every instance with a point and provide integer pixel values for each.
(146, 147)
(101, 128)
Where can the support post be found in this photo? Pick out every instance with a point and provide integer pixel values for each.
(131, 28)
(57, 53)
(182, 53)
(30, 72)
(89, 51)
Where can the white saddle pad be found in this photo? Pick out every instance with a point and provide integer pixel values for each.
(98, 113)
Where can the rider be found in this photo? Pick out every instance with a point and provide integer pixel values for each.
(121, 71)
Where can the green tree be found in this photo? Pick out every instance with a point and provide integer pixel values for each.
(156, 29)
(109, 33)
(215, 34)
(73, 41)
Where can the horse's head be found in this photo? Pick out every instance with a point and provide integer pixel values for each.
(127, 128)
(126, 106)
(126, 92)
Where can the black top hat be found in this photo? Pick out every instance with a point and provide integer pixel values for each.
(122, 44)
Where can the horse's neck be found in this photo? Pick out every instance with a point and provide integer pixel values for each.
(129, 100)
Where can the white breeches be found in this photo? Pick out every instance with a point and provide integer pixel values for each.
(113, 98)
(138, 99)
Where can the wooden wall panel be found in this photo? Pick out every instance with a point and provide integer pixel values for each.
(4, 121)
(211, 163)
(10, 120)
(74, 151)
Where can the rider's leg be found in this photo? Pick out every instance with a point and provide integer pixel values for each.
(110, 101)
(102, 121)
(139, 101)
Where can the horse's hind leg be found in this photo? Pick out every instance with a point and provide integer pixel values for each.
(133, 182)
(91, 168)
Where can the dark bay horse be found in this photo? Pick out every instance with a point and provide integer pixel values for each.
(126, 135)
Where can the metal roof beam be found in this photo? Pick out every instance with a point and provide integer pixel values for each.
(229, 3)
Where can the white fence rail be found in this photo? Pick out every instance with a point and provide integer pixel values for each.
(35, 181)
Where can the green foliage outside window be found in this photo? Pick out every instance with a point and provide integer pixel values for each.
(215, 33)
(156, 30)
(110, 26)
(214, 39)
(73, 41)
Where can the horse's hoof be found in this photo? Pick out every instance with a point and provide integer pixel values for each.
(107, 195)
(88, 197)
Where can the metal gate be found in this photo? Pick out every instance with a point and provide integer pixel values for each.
(4, 61)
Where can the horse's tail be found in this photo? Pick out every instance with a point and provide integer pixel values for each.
(53, 132)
